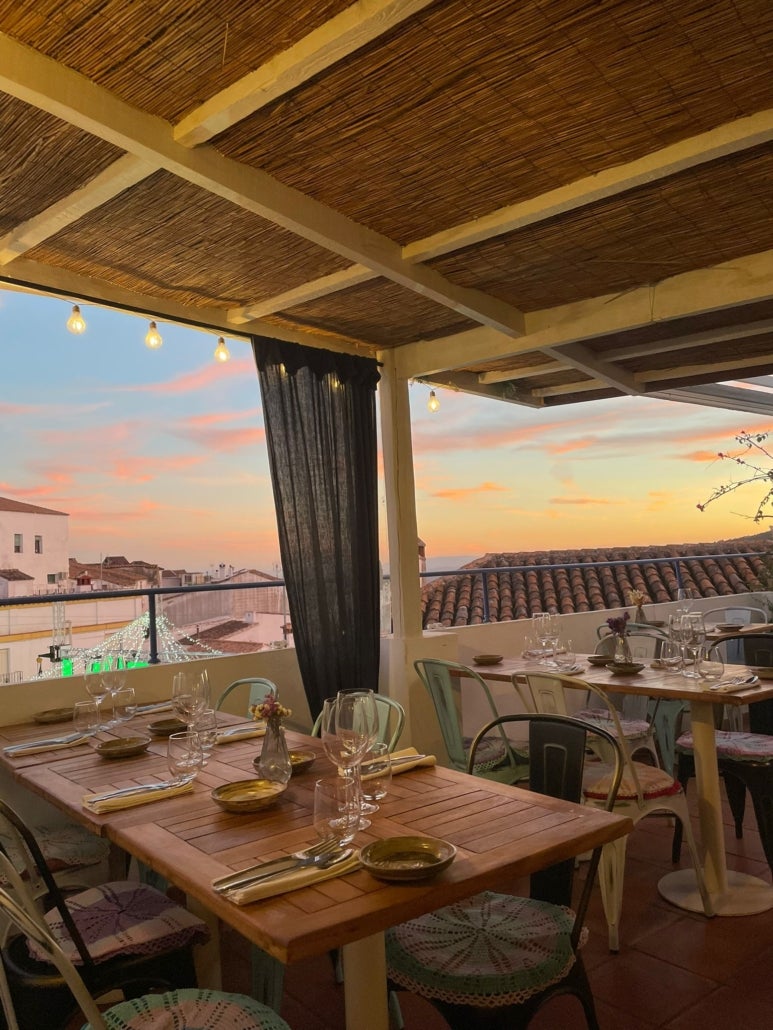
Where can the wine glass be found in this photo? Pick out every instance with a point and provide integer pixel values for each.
(376, 769)
(205, 727)
(95, 685)
(113, 679)
(552, 634)
(349, 727)
(694, 636)
(184, 756)
(190, 695)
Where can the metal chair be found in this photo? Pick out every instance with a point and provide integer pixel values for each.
(259, 688)
(644, 790)
(444, 682)
(185, 1009)
(493, 960)
(391, 720)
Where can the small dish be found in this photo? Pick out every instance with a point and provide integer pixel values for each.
(165, 727)
(53, 715)
(122, 747)
(487, 659)
(765, 672)
(301, 760)
(407, 858)
(247, 795)
(599, 659)
(624, 669)
(728, 627)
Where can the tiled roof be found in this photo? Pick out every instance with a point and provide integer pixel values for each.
(13, 574)
(6, 504)
(459, 600)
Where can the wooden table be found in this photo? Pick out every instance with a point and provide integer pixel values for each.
(501, 832)
(732, 893)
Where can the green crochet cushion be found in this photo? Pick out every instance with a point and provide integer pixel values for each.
(192, 1010)
(487, 951)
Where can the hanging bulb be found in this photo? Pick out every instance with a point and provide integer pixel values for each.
(76, 323)
(222, 353)
(433, 404)
(153, 337)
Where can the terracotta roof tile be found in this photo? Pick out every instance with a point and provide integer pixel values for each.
(517, 594)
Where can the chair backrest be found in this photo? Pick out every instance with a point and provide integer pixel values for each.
(557, 749)
(645, 644)
(391, 720)
(550, 692)
(740, 614)
(444, 682)
(29, 921)
(752, 649)
(259, 688)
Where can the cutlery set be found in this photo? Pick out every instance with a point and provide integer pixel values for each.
(30, 745)
(320, 856)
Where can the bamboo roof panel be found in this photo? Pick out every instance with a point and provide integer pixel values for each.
(171, 239)
(63, 160)
(164, 57)
(469, 107)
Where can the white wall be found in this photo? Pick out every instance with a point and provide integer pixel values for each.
(53, 529)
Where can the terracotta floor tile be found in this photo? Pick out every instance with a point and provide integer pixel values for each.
(650, 989)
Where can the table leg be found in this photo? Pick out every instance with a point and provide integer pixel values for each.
(207, 956)
(365, 984)
(732, 893)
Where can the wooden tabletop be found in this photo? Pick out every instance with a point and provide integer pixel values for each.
(501, 832)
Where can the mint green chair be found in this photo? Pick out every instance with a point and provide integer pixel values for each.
(391, 719)
(496, 759)
(259, 688)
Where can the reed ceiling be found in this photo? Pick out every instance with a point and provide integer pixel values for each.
(541, 202)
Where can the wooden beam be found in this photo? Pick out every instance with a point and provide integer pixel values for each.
(579, 357)
(40, 81)
(326, 284)
(325, 46)
(718, 395)
(524, 372)
(734, 365)
(729, 138)
(125, 172)
(586, 386)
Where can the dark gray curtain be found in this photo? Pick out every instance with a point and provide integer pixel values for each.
(320, 414)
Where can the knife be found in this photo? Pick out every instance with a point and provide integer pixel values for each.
(406, 758)
(16, 749)
(124, 792)
(281, 865)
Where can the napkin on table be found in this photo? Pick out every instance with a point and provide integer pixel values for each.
(99, 804)
(35, 747)
(226, 735)
(425, 761)
(293, 880)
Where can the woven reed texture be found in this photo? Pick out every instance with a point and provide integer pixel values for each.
(458, 600)
(167, 57)
(63, 160)
(169, 239)
(471, 106)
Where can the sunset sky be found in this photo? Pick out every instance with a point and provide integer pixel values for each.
(160, 455)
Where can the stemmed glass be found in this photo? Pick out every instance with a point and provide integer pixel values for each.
(95, 684)
(694, 637)
(349, 727)
(190, 695)
(205, 728)
(113, 679)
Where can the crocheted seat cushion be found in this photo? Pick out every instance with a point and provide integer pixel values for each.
(490, 754)
(123, 918)
(489, 950)
(192, 1010)
(600, 717)
(743, 747)
(67, 847)
(655, 783)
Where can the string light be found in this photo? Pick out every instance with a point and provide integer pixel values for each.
(433, 404)
(222, 353)
(153, 337)
(76, 323)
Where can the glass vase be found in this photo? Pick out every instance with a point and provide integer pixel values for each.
(623, 654)
(274, 763)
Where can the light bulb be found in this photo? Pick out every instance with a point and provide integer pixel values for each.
(433, 404)
(153, 337)
(76, 323)
(222, 353)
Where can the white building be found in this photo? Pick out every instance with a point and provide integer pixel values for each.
(34, 542)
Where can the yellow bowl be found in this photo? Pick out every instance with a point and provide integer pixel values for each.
(407, 858)
(248, 795)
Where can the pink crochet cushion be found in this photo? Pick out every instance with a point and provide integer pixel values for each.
(192, 1010)
(600, 717)
(64, 847)
(655, 783)
(123, 918)
(744, 747)
(489, 950)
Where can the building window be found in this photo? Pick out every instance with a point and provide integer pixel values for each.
(38, 545)
(18, 541)
(51, 577)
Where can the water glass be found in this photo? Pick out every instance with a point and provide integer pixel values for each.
(86, 717)
(709, 666)
(336, 809)
(566, 656)
(124, 704)
(671, 658)
(376, 771)
(184, 756)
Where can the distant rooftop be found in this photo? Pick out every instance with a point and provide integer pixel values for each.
(11, 575)
(7, 504)
(459, 600)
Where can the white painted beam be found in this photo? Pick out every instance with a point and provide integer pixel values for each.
(332, 42)
(337, 281)
(524, 372)
(734, 365)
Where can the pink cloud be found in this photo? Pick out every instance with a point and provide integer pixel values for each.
(200, 379)
(582, 500)
(214, 417)
(223, 440)
(464, 492)
(141, 468)
(579, 444)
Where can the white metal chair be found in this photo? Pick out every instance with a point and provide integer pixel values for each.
(644, 790)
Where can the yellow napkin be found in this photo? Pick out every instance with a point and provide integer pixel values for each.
(240, 733)
(293, 880)
(400, 767)
(99, 804)
(22, 750)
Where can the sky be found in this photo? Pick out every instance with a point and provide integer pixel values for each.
(160, 455)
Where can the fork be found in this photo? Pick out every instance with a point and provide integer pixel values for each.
(317, 855)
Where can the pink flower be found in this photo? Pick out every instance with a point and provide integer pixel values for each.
(617, 623)
(270, 708)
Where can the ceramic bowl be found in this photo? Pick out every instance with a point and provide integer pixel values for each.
(599, 659)
(765, 672)
(248, 795)
(487, 659)
(624, 669)
(122, 747)
(407, 858)
(165, 727)
(53, 715)
(728, 627)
